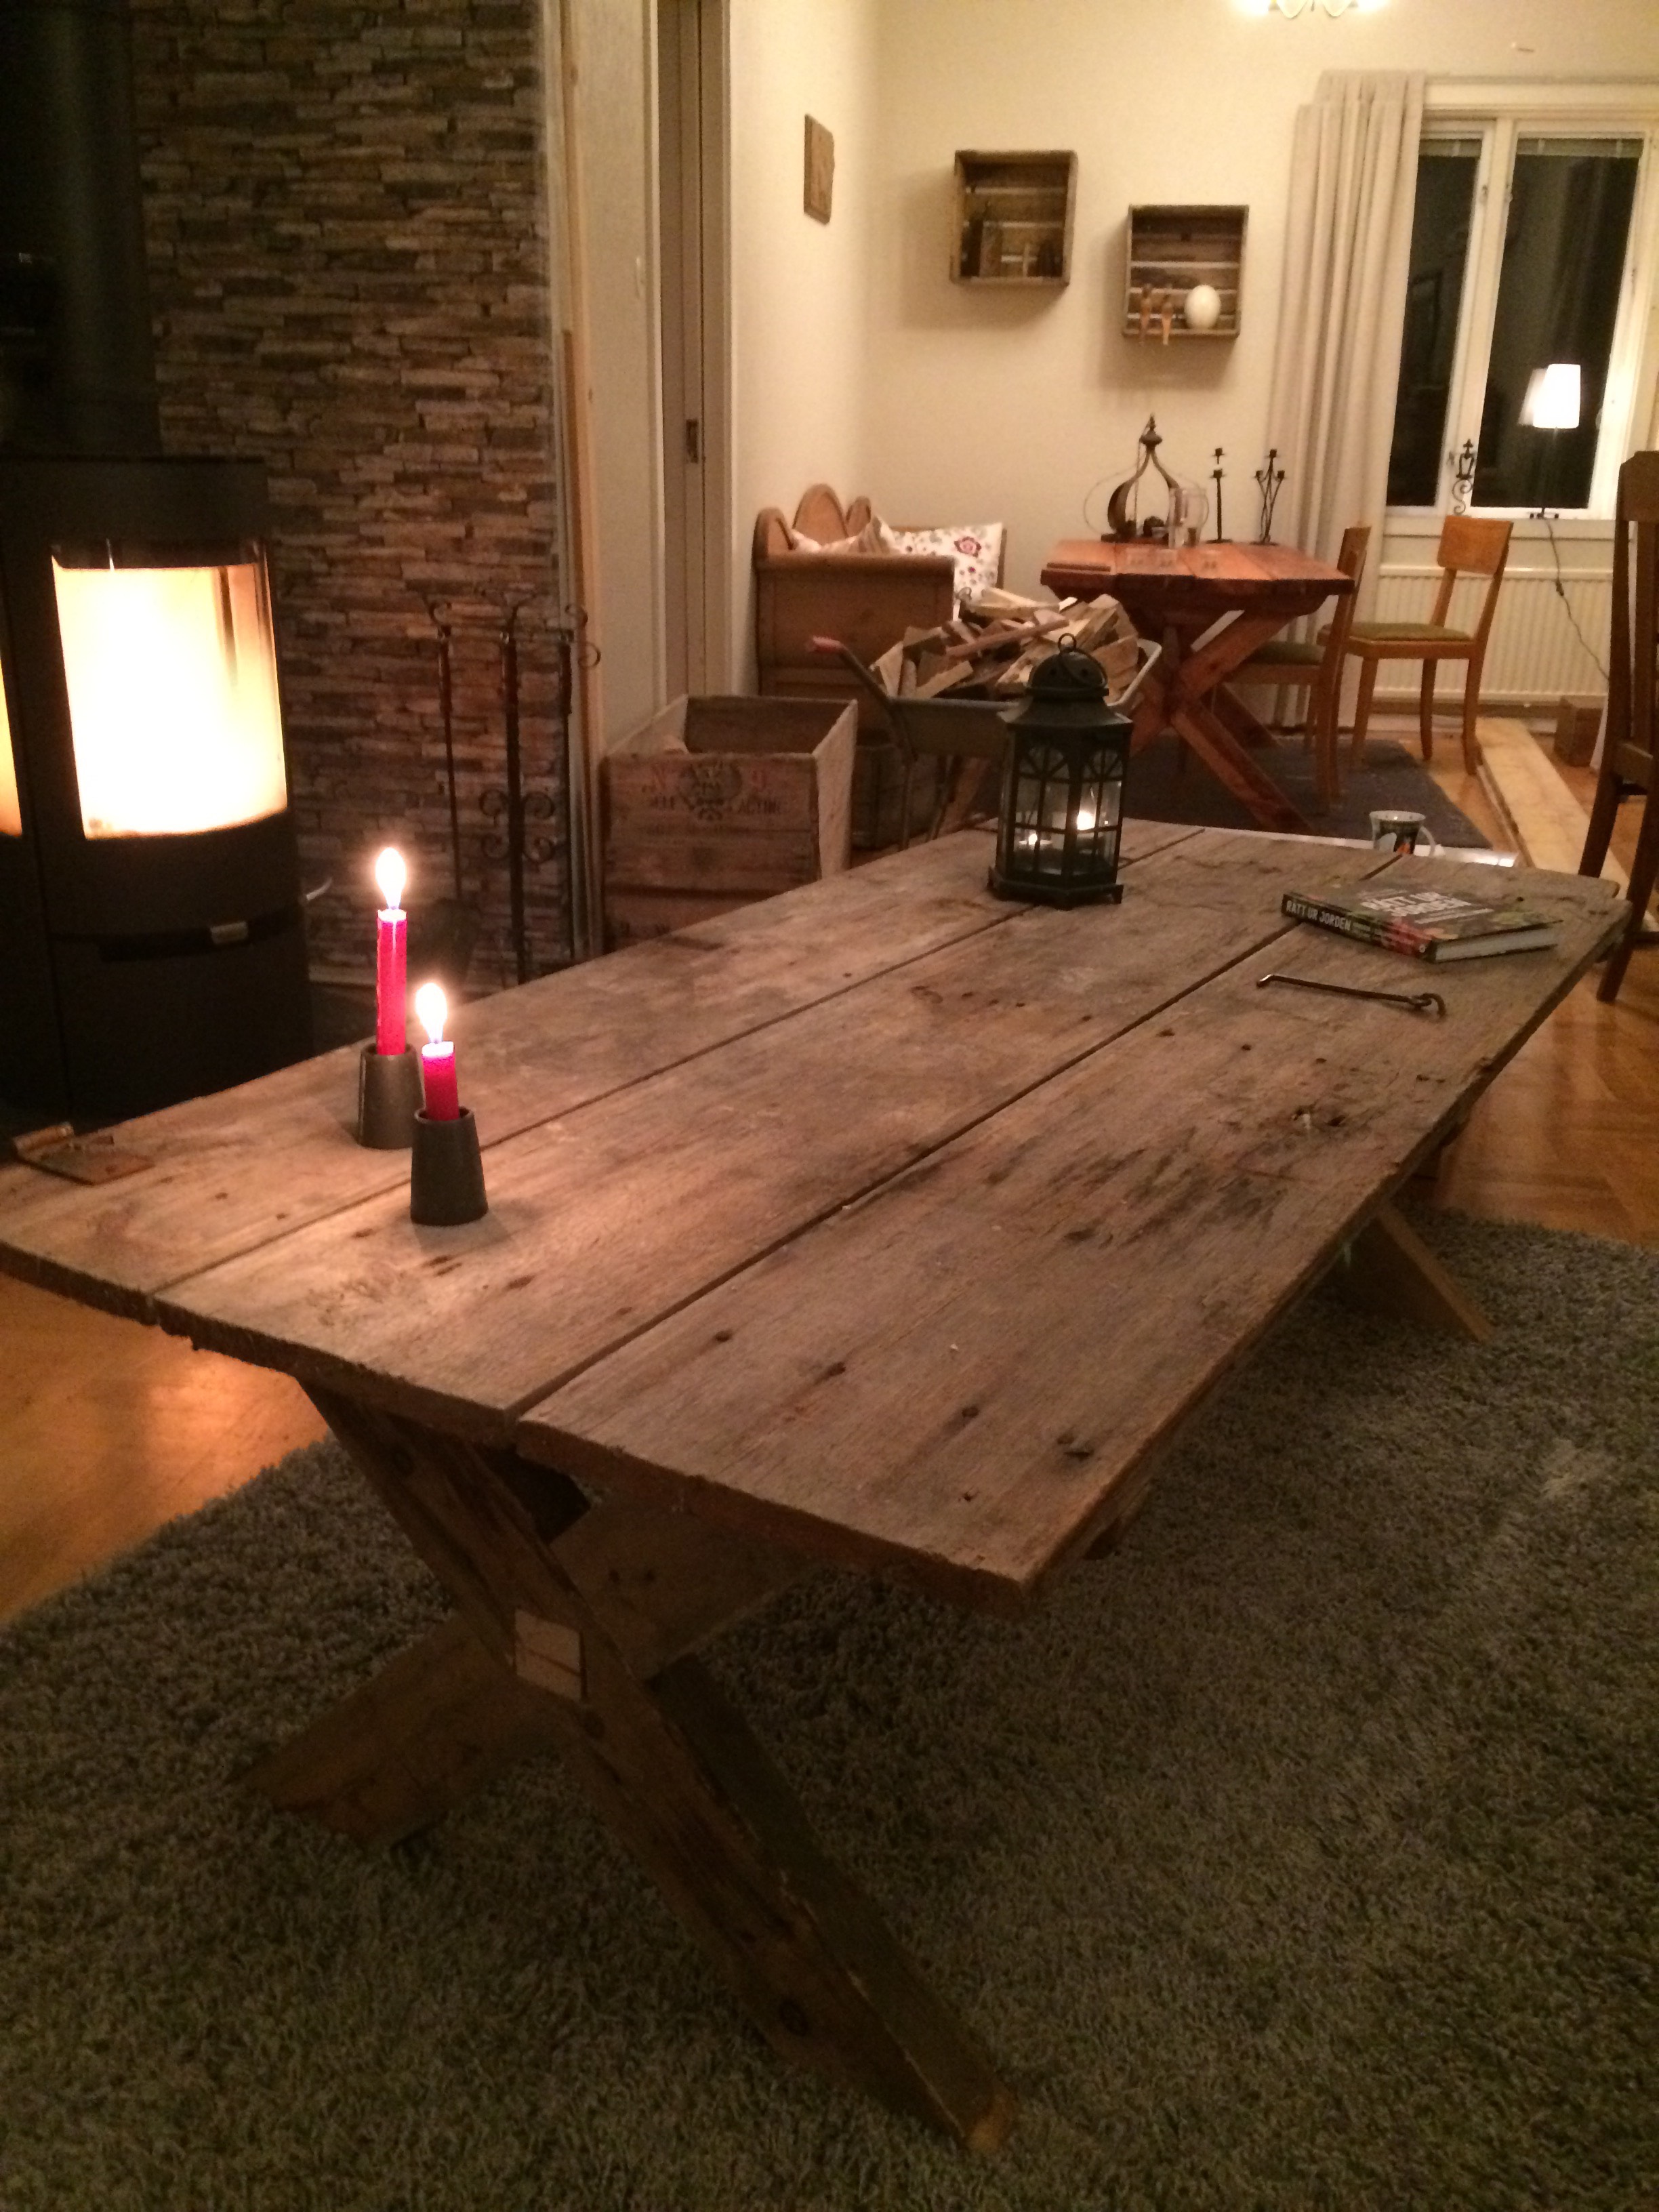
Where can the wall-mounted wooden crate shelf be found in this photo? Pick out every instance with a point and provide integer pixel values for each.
(1170, 250)
(1013, 215)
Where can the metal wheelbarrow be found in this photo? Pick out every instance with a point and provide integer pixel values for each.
(969, 736)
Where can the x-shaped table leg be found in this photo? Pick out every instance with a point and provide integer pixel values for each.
(1176, 698)
(575, 1630)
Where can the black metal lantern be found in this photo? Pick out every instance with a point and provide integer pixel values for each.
(1062, 787)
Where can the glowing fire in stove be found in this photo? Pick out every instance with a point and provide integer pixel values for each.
(11, 814)
(172, 676)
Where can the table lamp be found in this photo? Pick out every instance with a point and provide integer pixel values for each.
(1553, 398)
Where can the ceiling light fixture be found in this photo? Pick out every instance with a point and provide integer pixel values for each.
(1301, 7)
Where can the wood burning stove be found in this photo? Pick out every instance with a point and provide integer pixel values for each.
(151, 940)
(149, 894)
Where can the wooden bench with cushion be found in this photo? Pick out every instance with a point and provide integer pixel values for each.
(868, 600)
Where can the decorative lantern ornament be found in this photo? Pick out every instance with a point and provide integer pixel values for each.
(1062, 789)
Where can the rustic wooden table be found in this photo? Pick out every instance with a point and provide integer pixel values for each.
(883, 1223)
(1176, 594)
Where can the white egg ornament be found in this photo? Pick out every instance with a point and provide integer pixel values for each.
(1201, 308)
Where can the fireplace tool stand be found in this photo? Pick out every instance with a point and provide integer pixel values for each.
(514, 807)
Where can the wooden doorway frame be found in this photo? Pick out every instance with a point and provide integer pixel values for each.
(694, 340)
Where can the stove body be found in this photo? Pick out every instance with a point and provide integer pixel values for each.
(151, 934)
(150, 893)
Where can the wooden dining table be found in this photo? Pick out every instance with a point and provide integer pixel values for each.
(884, 1225)
(1210, 606)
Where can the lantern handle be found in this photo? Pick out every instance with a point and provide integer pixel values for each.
(1154, 653)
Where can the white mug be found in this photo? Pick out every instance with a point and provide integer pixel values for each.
(1396, 829)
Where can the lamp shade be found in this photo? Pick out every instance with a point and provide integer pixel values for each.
(1554, 396)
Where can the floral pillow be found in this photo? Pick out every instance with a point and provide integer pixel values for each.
(977, 548)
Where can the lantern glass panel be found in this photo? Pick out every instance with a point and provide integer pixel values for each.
(1042, 795)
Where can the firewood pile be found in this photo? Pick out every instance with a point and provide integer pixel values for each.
(989, 650)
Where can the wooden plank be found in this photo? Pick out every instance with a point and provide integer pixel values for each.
(238, 1167)
(603, 1224)
(432, 1727)
(951, 1382)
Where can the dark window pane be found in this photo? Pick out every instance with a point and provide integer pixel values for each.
(1557, 300)
(1440, 244)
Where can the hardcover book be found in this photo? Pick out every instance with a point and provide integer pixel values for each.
(1430, 924)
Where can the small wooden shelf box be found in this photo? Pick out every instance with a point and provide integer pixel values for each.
(1171, 249)
(1013, 219)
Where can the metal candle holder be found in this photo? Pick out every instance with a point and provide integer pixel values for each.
(445, 1172)
(1269, 479)
(388, 1098)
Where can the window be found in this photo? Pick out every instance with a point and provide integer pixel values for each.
(1524, 259)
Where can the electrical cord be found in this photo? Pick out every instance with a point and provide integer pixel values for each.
(1561, 594)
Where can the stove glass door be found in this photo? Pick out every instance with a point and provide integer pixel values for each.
(172, 677)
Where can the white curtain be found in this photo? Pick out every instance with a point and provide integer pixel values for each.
(1342, 308)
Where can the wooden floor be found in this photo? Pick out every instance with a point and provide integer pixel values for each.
(107, 1429)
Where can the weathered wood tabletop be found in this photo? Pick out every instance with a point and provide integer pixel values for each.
(884, 1223)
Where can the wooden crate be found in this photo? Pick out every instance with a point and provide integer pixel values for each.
(715, 802)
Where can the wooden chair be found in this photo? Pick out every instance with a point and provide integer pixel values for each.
(1468, 547)
(1289, 665)
(1627, 752)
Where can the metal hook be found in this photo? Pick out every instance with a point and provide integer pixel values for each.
(1415, 1002)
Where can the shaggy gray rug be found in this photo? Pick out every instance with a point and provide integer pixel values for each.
(1304, 1855)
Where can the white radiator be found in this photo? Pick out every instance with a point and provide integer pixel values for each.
(1533, 655)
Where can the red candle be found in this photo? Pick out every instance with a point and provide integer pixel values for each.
(443, 1102)
(391, 954)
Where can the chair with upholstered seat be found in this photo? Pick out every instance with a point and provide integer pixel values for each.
(1288, 665)
(1628, 752)
(1468, 547)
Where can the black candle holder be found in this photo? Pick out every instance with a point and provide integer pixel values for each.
(446, 1173)
(388, 1098)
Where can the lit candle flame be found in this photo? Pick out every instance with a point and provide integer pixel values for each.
(391, 875)
(1086, 819)
(433, 1010)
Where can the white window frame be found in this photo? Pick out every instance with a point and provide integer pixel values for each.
(1499, 115)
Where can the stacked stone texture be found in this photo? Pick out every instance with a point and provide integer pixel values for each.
(345, 208)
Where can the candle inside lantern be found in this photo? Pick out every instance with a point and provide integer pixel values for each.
(437, 1059)
(391, 954)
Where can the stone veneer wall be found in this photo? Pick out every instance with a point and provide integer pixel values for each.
(345, 210)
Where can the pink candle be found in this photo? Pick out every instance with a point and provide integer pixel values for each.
(443, 1102)
(391, 955)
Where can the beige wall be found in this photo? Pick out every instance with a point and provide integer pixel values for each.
(998, 405)
(801, 388)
